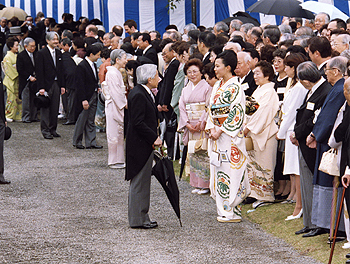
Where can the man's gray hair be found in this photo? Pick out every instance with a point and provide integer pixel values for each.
(308, 71)
(285, 29)
(3, 18)
(304, 31)
(221, 26)
(328, 18)
(190, 26)
(345, 38)
(110, 35)
(50, 35)
(339, 63)
(116, 54)
(27, 41)
(144, 72)
(246, 56)
(67, 33)
(236, 24)
(246, 27)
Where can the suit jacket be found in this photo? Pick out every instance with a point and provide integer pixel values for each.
(25, 69)
(166, 86)
(304, 121)
(85, 82)
(323, 128)
(206, 60)
(249, 79)
(46, 71)
(69, 67)
(150, 55)
(142, 130)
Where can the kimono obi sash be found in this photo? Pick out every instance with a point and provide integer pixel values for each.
(195, 110)
(219, 113)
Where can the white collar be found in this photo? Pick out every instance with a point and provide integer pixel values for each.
(205, 55)
(321, 65)
(50, 49)
(147, 48)
(318, 84)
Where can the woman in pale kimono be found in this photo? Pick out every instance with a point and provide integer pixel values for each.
(229, 184)
(294, 98)
(13, 108)
(261, 127)
(193, 120)
(115, 103)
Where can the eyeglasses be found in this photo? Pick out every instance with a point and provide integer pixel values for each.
(192, 72)
(329, 69)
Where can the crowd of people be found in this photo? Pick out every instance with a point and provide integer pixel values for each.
(256, 107)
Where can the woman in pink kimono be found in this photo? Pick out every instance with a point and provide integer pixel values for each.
(261, 127)
(192, 120)
(114, 91)
(229, 184)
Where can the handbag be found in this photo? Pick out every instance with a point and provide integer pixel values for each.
(214, 157)
(249, 143)
(191, 146)
(329, 162)
(201, 144)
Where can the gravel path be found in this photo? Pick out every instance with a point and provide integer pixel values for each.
(66, 206)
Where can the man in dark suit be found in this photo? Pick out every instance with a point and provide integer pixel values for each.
(206, 40)
(166, 87)
(87, 87)
(318, 87)
(141, 138)
(323, 183)
(3, 125)
(69, 67)
(320, 50)
(27, 81)
(244, 73)
(148, 52)
(91, 35)
(50, 81)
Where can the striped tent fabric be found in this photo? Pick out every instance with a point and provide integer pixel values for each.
(150, 14)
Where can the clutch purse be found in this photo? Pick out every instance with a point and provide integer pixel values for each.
(329, 162)
(215, 159)
(249, 143)
(201, 144)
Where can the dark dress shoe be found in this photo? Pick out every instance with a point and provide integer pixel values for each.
(68, 123)
(249, 200)
(303, 231)
(315, 232)
(147, 226)
(94, 147)
(347, 255)
(54, 134)
(79, 146)
(5, 182)
(48, 137)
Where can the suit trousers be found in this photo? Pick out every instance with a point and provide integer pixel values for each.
(306, 188)
(2, 135)
(29, 111)
(139, 195)
(48, 122)
(85, 125)
(71, 106)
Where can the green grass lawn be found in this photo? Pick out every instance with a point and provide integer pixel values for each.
(271, 219)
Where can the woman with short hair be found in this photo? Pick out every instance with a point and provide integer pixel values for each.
(114, 107)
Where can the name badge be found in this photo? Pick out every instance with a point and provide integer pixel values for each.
(310, 106)
(245, 86)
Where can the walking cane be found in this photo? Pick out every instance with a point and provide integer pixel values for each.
(336, 227)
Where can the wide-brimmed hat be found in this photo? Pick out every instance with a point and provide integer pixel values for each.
(42, 101)
(8, 133)
(15, 31)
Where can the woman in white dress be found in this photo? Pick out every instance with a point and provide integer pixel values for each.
(294, 98)
(114, 107)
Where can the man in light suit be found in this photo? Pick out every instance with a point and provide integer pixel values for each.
(318, 87)
(50, 81)
(27, 81)
(86, 91)
(141, 138)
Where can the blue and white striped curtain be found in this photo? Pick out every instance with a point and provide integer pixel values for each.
(149, 14)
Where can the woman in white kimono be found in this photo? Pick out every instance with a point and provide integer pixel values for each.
(114, 92)
(229, 185)
(294, 98)
(261, 127)
(193, 118)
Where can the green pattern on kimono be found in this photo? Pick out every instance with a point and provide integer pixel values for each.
(229, 95)
(235, 118)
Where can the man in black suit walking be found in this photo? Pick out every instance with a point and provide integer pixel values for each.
(50, 81)
(141, 138)
(27, 81)
(87, 87)
(318, 87)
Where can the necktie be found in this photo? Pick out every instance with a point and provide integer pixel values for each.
(54, 57)
(32, 58)
(95, 67)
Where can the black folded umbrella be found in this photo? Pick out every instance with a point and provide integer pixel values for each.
(183, 161)
(164, 172)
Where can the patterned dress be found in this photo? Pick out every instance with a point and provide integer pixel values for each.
(228, 183)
